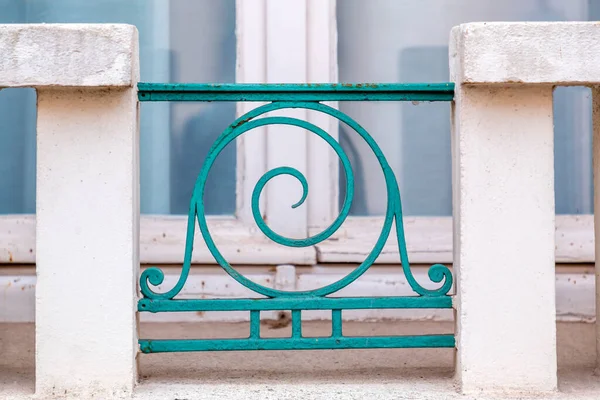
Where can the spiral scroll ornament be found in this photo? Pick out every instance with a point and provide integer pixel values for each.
(437, 273)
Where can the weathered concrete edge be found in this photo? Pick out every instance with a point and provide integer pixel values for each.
(505, 53)
(68, 55)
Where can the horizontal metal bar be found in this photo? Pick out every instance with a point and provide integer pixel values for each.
(318, 343)
(301, 303)
(296, 92)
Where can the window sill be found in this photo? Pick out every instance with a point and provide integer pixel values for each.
(429, 240)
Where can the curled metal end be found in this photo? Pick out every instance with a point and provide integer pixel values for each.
(153, 275)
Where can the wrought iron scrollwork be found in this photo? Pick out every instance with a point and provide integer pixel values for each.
(437, 273)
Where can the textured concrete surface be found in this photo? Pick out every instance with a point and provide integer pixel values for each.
(555, 53)
(596, 175)
(87, 169)
(352, 374)
(76, 55)
(503, 178)
(86, 332)
(503, 208)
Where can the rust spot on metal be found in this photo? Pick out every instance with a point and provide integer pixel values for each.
(240, 123)
(200, 313)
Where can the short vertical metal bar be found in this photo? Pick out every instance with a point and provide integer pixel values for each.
(254, 324)
(296, 323)
(336, 323)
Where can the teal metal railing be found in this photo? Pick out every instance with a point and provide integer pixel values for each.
(310, 97)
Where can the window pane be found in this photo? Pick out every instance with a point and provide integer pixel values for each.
(17, 152)
(407, 41)
(180, 41)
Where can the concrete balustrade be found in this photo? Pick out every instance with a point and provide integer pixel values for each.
(596, 167)
(503, 183)
(503, 199)
(87, 201)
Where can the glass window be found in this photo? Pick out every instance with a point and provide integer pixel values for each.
(407, 41)
(180, 41)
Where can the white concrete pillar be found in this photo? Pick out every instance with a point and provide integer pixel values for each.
(87, 201)
(504, 255)
(503, 194)
(503, 182)
(596, 163)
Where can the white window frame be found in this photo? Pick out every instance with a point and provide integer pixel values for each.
(265, 30)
